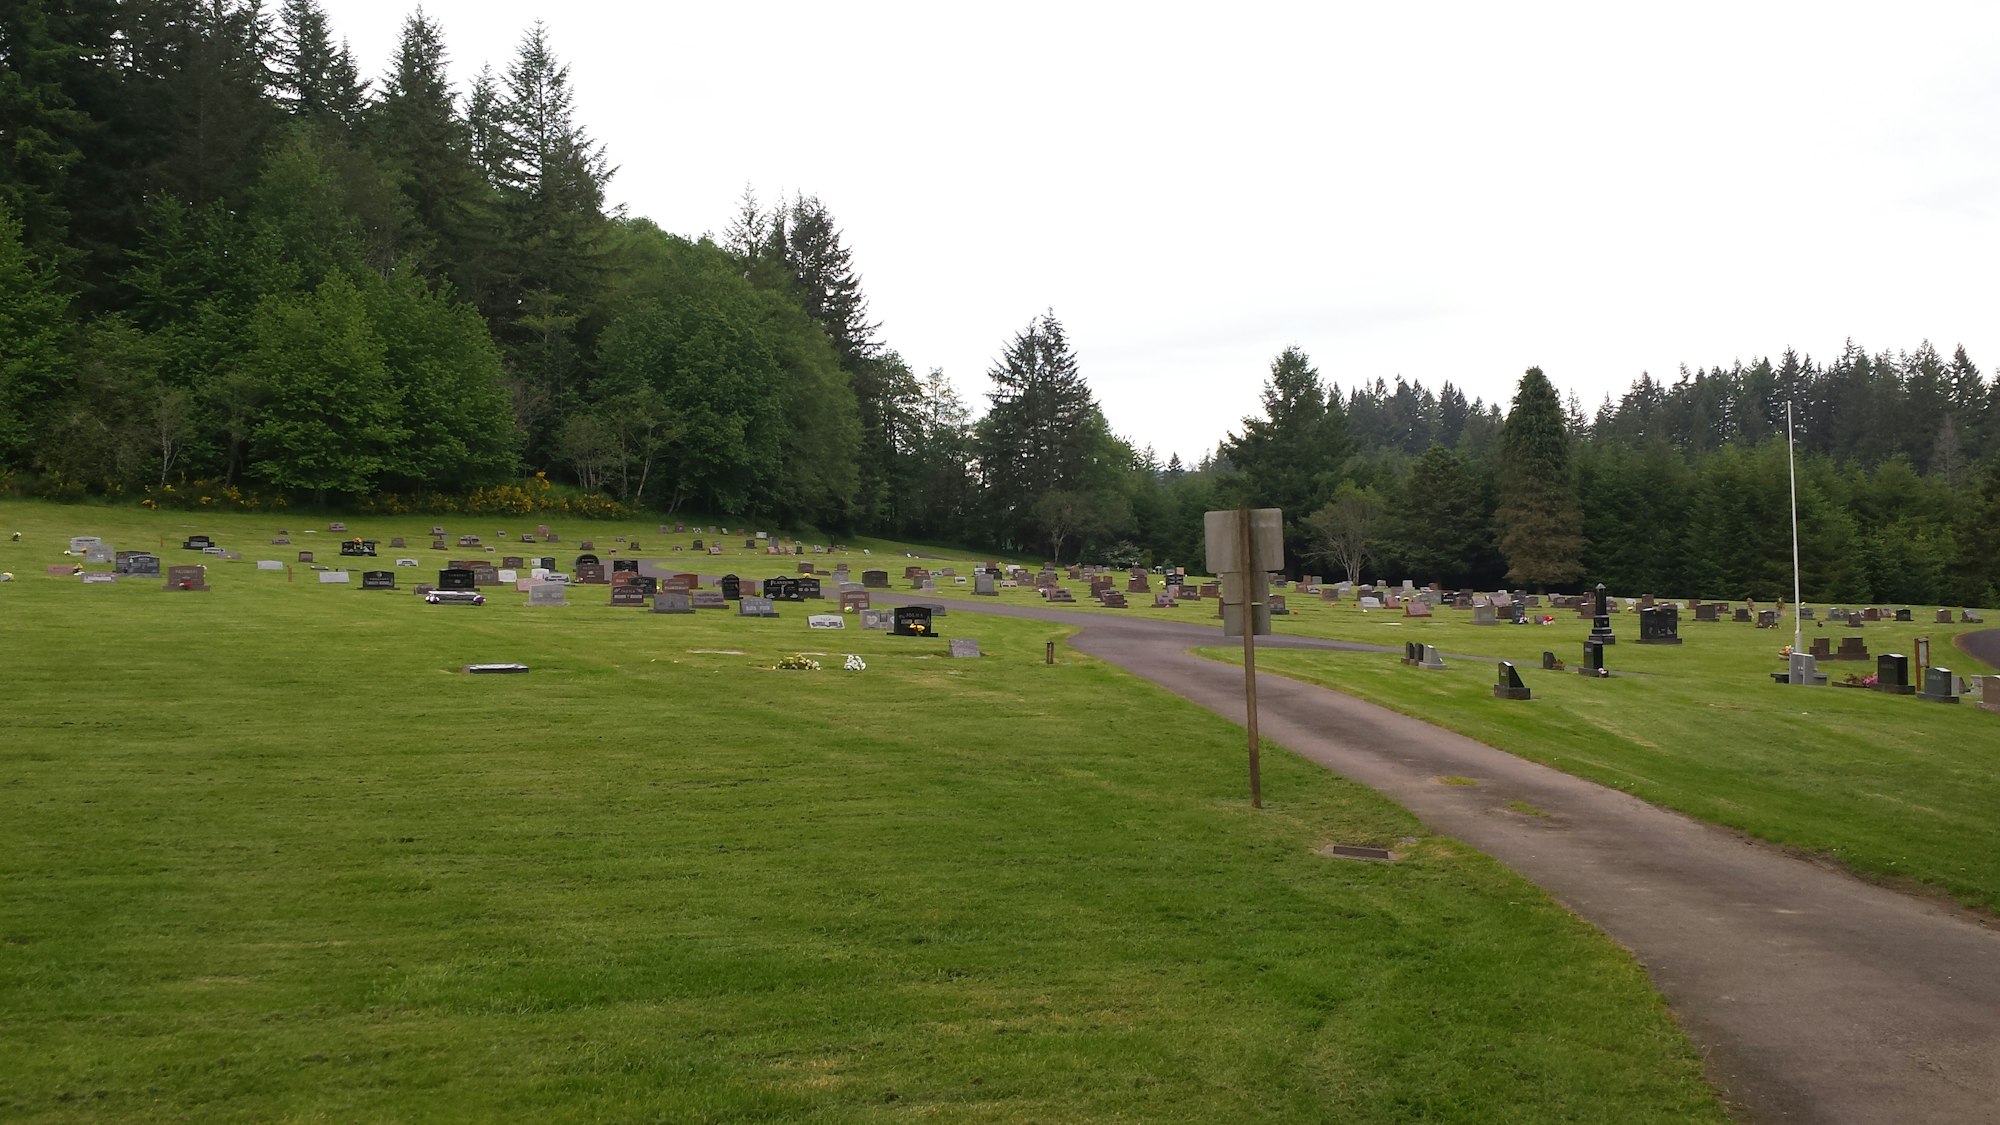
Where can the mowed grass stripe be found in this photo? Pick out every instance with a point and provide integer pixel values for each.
(266, 858)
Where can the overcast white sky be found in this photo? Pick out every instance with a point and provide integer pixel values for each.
(1442, 191)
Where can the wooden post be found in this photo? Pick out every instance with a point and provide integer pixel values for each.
(1050, 656)
(1248, 612)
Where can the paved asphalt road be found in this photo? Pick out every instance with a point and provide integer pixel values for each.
(1815, 996)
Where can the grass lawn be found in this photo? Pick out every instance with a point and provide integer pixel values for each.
(1892, 786)
(266, 855)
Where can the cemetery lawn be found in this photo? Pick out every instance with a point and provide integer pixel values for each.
(266, 854)
(1895, 788)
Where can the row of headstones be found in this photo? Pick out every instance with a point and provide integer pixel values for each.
(1507, 686)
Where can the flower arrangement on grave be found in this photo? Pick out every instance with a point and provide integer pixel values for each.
(854, 662)
(799, 662)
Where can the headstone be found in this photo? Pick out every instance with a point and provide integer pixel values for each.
(808, 589)
(455, 578)
(1593, 659)
(1600, 625)
(853, 600)
(1659, 625)
(591, 574)
(1705, 612)
(732, 587)
(782, 589)
(1821, 648)
(1416, 607)
(1970, 617)
(963, 647)
(983, 586)
(333, 578)
(879, 620)
(1871, 614)
(100, 553)
(1483, 613)
(1508, 685)
(440, 545)
(912, 621)
(336, 526)
(468, 540)
(142, 564)
(282, 541)
(1851, 648)
(1939, 686)
(1989, 693)
(378, 579)
(1892, 674)
(756, 607)
(1376, 603)
(709, 599)
(1431, 658)
(269, 564)
(826, 621)
(187, 578)
(1803, 668)
(1164, 600)
(1549, 661)
(875, 579)
(669, 602)
(1944, 617)
(548, 593)
(513, 562)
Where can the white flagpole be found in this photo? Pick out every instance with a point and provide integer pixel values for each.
(1791, 461)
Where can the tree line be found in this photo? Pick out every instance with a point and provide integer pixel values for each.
(229, 257)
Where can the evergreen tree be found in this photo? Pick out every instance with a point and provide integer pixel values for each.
(428, 149)
(315, 80)
(45, 128)
(33, 359)
(822, 272)
(1292, 457)
(1042, 434)
(1539, 520)
(1440, 527)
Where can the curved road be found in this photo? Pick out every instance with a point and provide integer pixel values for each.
(1815, 996)
(1983, 645)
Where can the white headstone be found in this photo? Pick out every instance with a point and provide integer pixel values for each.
(335, 577)
(827, 621)
(269, 564)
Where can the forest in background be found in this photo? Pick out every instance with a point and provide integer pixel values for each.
(235, 270)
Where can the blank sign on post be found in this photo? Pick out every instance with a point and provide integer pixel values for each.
(1224, 541)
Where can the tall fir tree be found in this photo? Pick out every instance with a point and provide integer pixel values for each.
(1539, 519)
(1043, 432)
(1292, 458)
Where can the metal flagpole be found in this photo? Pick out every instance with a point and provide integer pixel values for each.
(1791, 459)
